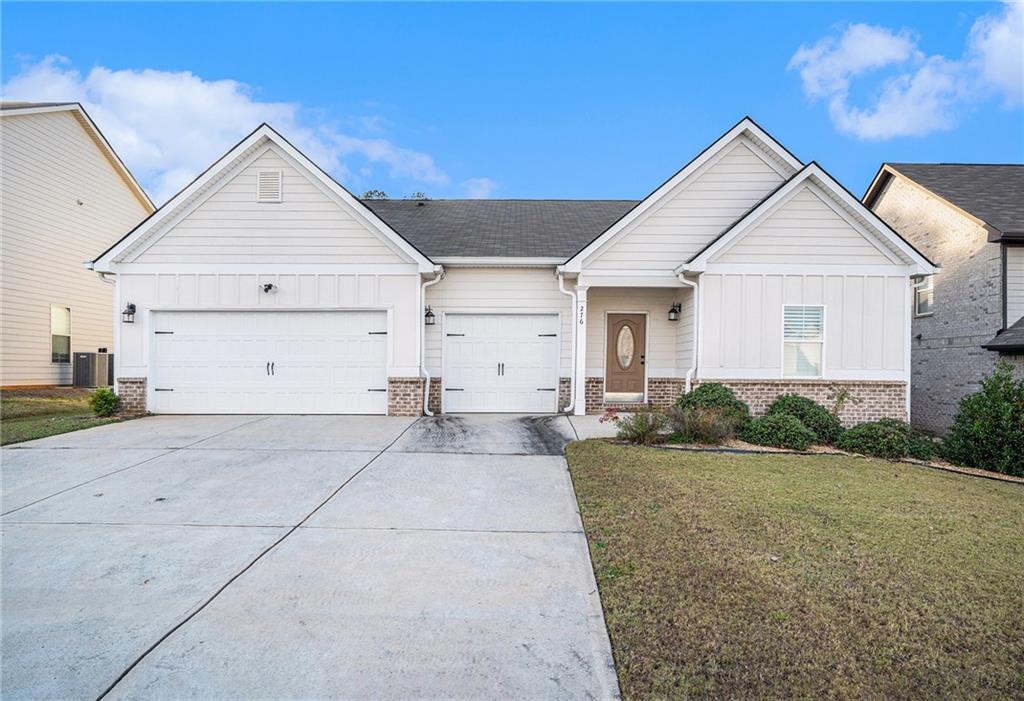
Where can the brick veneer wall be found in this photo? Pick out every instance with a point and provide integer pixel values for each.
(132, 391)
(868, 400)
(434, 400)
(405, 396)
(564, 392)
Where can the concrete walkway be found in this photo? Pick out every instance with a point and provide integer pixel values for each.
(299, 557)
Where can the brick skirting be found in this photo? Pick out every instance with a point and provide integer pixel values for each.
(405, 396)
(868, 400)
(132, 391)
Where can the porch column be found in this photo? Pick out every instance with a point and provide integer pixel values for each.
(579, 392)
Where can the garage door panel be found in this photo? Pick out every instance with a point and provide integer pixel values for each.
(500, 363)
(323, 362)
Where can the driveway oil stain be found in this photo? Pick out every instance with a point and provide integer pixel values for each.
(541, 435)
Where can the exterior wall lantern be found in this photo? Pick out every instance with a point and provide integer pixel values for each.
(268, 287)
(428, 317)
(673, 313)
(128, 315)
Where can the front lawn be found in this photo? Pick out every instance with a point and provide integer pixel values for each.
(754, 576)
(26, 414)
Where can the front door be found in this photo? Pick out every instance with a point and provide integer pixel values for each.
(624, 364)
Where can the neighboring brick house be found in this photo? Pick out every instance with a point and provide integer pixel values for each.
(968, 218)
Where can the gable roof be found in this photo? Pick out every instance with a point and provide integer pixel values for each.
(991, 193)
(745, 127)
(17, 109)
(843, 198)
(205, 181)
(500, 228)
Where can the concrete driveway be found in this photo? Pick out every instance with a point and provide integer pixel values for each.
(299, 557)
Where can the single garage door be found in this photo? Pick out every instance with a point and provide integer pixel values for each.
(500, 363)
(279, 362)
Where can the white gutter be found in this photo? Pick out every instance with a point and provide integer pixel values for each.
(572, 378)
(438, 276)
(696, 326)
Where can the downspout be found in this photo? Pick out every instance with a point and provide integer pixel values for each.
(696, 326)
(438, 276)
(572, 378)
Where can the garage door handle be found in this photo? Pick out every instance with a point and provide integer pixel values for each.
(268, 369)
(271, 368)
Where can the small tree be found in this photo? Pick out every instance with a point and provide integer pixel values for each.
(988, 429)
(375, 195)
(418, 196)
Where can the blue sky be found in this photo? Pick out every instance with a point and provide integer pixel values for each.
(525, 100)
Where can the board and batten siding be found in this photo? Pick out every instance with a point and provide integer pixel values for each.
(307, 226)
(497, 290)
(687, 219)
(1014, 284)
(865, 324)
(49, 164)
(663, 336)
(397, 294)
(804, 229)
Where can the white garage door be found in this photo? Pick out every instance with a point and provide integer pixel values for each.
(293, 362)
(500, 363)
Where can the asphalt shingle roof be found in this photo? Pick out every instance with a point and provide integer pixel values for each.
(1009, 341)
(992, 193)
(505, 228)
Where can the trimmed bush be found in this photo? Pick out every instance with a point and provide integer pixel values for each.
(711, 395)
(988, 429)
(825, 426)
(641, 427)
(921, 447)
(886, 438)
(779, 431)
(104, 402)
(710, 426)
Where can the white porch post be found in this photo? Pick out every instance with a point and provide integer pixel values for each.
(580, 379)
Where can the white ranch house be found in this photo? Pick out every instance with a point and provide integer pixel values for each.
(266, 287)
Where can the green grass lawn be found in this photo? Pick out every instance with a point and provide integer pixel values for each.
(26, 414)
(771, 576)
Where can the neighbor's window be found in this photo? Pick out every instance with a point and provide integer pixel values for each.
(803, 333)
(924, 296)
(60, 334)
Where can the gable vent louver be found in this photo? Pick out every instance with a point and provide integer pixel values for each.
(269, 186)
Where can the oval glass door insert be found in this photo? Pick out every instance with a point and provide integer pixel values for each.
(625, 347)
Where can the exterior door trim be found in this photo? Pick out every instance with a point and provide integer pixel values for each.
(647, 344)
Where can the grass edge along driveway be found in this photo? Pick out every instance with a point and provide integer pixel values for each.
(740, 576)
(27, 414)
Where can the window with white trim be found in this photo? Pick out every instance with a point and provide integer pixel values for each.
(60, 334)
(924, 296)
(803, 337)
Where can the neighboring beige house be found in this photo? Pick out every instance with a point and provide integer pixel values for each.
(266, 287)
(66, 195)
(968, 218)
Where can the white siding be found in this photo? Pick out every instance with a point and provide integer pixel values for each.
(1014, 283)
(662, 334)
(224, 291)
(865, 324)
(804, 230)
(307, 226)
(691, 216)
(497, 290)
(49, 163)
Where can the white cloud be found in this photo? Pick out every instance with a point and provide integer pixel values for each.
(169, 126)
(479, 188)
(919, 94)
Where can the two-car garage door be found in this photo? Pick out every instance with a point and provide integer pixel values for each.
(264, 362)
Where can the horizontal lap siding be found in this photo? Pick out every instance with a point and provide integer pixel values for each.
(49, 163)
(804, 230)
(493, 290)
(864, 322)
(308, 226)
(689, 218)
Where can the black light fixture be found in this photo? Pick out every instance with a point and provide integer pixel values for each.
(673, 313)
(428, 317)
(268, 287)
(128, 315)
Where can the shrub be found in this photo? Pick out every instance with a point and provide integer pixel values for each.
(104, 402)
(921, 447)
(711, 395)
(825, 426)
(780, 431)
(710, 426)
(886, 438)
(642, 427)
(988, 429)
